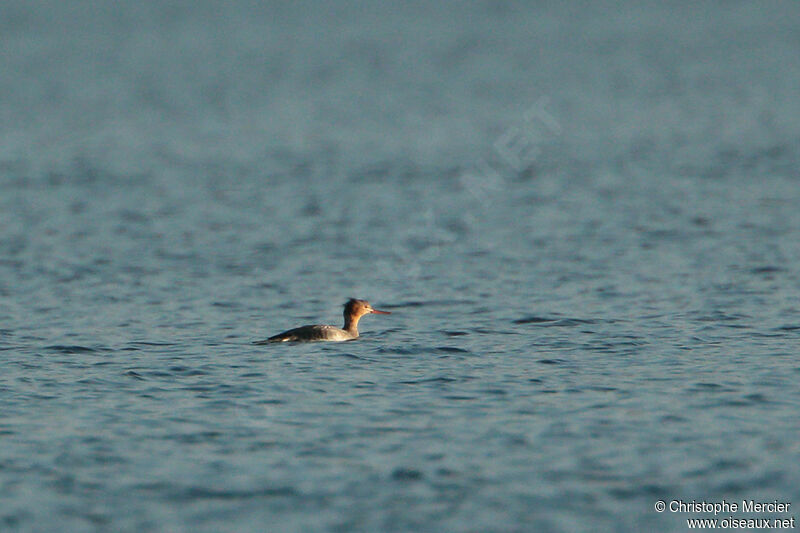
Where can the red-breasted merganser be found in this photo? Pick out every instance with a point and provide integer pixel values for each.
(353, 311)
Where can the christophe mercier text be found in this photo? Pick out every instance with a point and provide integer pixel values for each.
(747, 506)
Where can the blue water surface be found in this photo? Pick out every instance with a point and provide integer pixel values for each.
(583, 217)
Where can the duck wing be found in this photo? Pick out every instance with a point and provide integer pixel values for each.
(308, 334)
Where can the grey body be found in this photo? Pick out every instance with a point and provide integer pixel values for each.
(312, 333)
